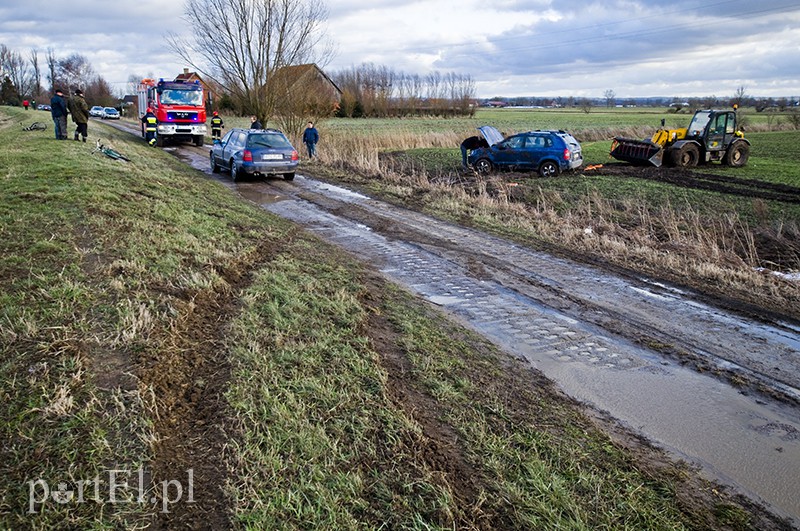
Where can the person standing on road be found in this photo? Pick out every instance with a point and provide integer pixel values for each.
(79, 110)
(58, 110)
(150, 126)
(310, 139)
(471, 143)
(254, 123)
(217, 125)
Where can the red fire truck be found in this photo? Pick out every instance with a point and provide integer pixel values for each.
(179, 107)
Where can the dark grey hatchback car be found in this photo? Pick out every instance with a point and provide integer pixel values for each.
(254, 152)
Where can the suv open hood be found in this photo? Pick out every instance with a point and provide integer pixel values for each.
(491, 134)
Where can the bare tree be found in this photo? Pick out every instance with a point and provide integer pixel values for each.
(740, 96)
(240, 44)
(33, 57)
(14, 67)
(610, 97)
(52, 66)
(76, 72)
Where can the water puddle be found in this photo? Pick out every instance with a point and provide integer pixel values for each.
(259, 194)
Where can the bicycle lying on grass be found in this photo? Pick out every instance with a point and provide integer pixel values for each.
(109, 152)
(36, 126)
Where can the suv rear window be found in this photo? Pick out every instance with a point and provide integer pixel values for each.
(267, 140)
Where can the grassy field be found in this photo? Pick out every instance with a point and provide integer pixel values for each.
(152, 321)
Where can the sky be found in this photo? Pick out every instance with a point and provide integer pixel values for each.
(636, 48)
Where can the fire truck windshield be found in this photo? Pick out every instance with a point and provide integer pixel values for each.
(181, 97)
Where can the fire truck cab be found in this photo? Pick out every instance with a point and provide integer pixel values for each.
(179, 107)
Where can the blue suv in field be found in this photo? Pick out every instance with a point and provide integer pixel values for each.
(546, 152)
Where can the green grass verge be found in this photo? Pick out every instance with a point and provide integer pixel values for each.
(98, 260)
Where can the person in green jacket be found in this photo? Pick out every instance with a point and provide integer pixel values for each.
(80, 114)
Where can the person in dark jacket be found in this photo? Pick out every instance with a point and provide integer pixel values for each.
(150, 122)
(79, 110)
(58, 110)
(310, 139)
(471, 143)
(255, 124)
(217, 125)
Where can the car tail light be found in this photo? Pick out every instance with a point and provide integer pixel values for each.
(295, 156)
(566, 154)
(247, 156)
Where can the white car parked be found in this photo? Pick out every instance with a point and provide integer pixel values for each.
(110, 113)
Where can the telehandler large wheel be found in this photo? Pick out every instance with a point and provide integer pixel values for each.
(737, 155)
(686, 157)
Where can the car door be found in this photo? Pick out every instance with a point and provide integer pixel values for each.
(217, 150)
(235, 145)
(537, 148)
(721, 125)
(510, 152)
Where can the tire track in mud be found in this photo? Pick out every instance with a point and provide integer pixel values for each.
(706, 181)
(188, 373)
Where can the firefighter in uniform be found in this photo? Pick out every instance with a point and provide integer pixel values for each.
(216, 126)
(150, 125)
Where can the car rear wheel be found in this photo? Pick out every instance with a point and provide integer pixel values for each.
(214, 165)
(234, 170)
(549, 168)
(289, 176)
(484, 166)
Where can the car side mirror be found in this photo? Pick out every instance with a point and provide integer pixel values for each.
(217, 141)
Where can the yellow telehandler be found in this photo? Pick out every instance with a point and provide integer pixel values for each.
(712, 135)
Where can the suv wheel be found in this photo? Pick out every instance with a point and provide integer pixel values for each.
(484, 166)
(289, 176)
(549, 168)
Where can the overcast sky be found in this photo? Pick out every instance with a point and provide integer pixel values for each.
(509, 47)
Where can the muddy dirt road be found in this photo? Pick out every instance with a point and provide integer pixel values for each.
(657, 358)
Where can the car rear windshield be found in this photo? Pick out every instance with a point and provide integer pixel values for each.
(268, 141)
